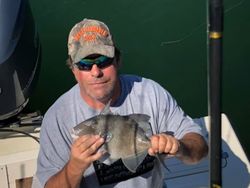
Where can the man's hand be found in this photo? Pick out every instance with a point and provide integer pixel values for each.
(163, 143)
(190, 149)
(84, 151)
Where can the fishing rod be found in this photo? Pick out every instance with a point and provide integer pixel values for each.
(215, 59)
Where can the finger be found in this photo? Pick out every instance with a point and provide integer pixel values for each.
(94, 147)
(151, 152)
(155, 143)
(81, 140)
(86, 142)
(175, 147)
(96, 156)
(163, 143)
(169, 145)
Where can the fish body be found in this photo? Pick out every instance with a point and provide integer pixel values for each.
(126, 137)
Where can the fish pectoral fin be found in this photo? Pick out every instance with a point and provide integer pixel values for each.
(106, 159)
(131, 163)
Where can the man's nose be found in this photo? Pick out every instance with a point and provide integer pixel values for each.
(96, 71)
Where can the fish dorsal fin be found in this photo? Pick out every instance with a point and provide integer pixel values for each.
(140, 117)
(106, 109)
(132, 163)
(143, 122)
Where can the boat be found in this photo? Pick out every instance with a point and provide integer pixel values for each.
(20, 58)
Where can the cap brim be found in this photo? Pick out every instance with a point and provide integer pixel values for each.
(106, 50)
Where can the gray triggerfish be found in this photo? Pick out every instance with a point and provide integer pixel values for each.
(126, 137)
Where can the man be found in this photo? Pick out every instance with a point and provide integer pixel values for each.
(94, 61)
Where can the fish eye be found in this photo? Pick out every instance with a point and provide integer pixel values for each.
(106, 135)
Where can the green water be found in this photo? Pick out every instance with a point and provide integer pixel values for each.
(163, 40)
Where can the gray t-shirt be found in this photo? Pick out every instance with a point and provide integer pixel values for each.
(139, 95)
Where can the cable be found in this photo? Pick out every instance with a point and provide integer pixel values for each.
(22, 132)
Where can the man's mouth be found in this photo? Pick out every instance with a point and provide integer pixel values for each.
(98, 83)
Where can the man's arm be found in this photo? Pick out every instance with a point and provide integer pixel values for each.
(190, 149)
(67, 177)
(83, 153)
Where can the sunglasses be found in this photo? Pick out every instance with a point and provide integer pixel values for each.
(87, 64)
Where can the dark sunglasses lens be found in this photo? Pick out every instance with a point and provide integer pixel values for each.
(86, 64)
(105, 63)
(83, 66)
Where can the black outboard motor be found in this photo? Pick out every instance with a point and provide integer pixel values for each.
(20, 56)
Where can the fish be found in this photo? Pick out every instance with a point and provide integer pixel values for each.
(126, 136)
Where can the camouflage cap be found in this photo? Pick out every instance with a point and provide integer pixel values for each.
(90, 37)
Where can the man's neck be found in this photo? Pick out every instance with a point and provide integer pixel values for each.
(100, 104)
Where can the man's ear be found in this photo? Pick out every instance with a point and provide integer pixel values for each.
(118, 58)
(69, 62)
(75, 73)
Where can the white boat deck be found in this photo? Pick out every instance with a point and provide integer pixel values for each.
(235, 165)
(18, 154)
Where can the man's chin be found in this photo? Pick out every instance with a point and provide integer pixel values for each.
(103, 98)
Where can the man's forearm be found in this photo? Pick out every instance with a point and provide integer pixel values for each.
(193, 148)
(67, 177)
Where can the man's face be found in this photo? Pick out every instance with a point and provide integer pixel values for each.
(98, 83)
